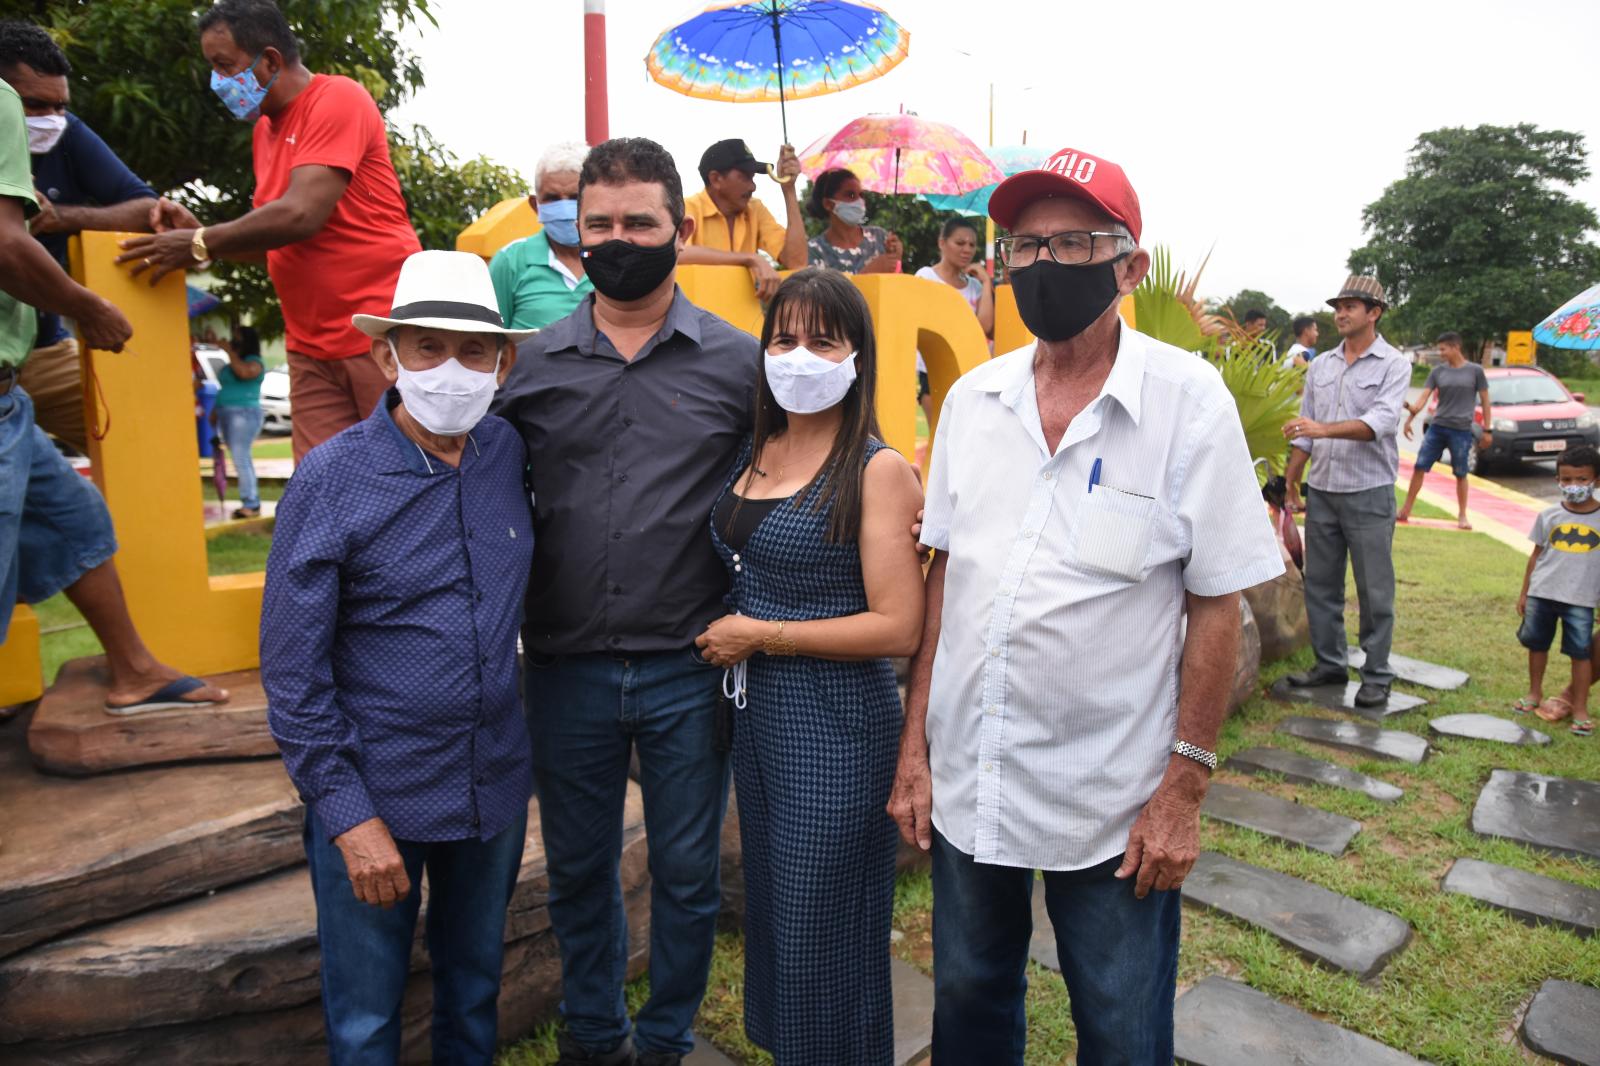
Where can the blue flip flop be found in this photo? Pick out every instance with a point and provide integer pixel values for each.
(168, 697)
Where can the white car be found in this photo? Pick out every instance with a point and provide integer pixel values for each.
(275, 401)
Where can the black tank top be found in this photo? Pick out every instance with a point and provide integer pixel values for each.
(736, 534)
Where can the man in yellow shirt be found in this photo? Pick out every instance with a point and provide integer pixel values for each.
(733, 228)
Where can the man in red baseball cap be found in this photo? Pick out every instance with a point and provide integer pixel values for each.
(1060, 717)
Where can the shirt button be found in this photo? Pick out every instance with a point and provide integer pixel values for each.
(994, 653)
(617, 535)
(616, 590)
(1047, 475)
(614, 641)
(989, 709)
(1027, 534)
(988, 767)
(486, 660)
(627, 421)
(622, 477)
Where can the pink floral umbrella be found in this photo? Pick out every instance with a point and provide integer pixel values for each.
(903, 153)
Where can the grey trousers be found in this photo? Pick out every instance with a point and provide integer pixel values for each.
(1359, 525)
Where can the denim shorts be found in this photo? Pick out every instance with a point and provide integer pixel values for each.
(54, 525)
(1436, 440)
(1538, 629)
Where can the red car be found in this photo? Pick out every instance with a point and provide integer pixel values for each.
(1535, 417)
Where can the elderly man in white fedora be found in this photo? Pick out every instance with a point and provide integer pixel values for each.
(388, 653)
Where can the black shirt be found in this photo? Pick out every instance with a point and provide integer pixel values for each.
(626, 460)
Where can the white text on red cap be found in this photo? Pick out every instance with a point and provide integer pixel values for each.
(1079, 168)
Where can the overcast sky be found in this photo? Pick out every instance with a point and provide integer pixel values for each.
(1263, 128)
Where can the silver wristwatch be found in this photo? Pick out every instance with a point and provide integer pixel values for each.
(1208, 759)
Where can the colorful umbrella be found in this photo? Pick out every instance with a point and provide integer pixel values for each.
(1576, 324)
(200, 301)
(758, 51)
(891, 152)
(1010, 158)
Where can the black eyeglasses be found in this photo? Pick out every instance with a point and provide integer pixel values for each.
(1072, 247)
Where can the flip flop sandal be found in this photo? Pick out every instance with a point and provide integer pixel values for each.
(1523, 705)
(168, 697)
(1554, 709)
(1582, 728)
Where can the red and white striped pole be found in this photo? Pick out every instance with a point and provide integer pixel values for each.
(596, 124)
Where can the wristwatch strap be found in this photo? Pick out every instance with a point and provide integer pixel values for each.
(1198, 754)
(197, 246)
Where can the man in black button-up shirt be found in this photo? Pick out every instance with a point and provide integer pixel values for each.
(633, 408)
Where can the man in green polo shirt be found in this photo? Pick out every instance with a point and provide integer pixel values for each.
(540, 279)
(55, 531)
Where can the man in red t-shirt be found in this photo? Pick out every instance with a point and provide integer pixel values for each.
(329, 215)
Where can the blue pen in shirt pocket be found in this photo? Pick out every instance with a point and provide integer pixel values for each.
(1112, 531)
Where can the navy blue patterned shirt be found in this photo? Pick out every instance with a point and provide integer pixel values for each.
(388, 632)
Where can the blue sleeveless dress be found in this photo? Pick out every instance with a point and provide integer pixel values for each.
(814, 760)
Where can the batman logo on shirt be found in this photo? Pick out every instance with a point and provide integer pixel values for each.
(1574, 537)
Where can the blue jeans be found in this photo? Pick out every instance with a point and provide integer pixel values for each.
(1437, 440)
(1119, 956)
(1538, 629)
(54, 525)
(366, 950)
(584, 713)
(239, 427)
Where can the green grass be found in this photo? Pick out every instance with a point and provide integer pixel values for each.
(1422, 508)
(1454, 994)
(1590, 387)
(272, 448)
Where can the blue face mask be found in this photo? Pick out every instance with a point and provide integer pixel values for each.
(241, 92)
(560, 221)
(1577, 493)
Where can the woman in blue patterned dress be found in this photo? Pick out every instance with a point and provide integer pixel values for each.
(813, 526)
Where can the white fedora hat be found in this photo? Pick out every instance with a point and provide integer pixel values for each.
(442, 290)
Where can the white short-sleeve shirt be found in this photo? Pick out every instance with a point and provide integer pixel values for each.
(1054, 698)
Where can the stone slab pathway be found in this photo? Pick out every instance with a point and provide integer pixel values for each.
(1557, 814)
(1415, 671)
(1528, 897)
(1390, 744)
(705, 1054)
(1343, 700)
(913, 1013)
(1563, 1023)
(1487, 727)
(1304, 770)
(1294, 823)
(1320, 924)
(1224, 1023)
(1042, 948)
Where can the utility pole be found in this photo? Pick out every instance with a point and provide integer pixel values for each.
(596, 123)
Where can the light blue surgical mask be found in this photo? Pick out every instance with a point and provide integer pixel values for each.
(560, 221)
(1577, 493)
(241, 92)
(850, 212)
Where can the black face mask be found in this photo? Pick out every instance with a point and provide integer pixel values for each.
(626, 272)
(1059, 302)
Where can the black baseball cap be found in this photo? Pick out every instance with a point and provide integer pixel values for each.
(730, 155)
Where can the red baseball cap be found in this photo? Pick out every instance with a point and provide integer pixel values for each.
(1070, 173)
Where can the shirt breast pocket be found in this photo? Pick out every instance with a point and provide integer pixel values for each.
(1112, 533)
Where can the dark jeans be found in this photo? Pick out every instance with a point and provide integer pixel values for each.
(1538, 629)
(1119, 956)
(366, 950)
(585, 712)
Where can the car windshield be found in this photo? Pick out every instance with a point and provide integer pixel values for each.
(1525, 388)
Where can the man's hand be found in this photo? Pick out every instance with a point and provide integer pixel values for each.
(169, 214)
(48, 220)
(1522, 603)
(1302, 427)
(104, 327)
(159, 253)
(1163, 844)
(376, 871)
(911, 797)
(788, 165)
(764, 276)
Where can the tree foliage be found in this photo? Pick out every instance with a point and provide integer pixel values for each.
(1480, 236)
(140, 81)
(1247, 300)
(914, 220)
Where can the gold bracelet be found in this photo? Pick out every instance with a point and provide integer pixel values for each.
(778, 644)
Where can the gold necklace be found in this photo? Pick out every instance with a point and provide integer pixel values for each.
(787, 460)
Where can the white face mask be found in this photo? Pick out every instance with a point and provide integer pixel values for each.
(44, 131)
(449, 399)
(853, 212)
(804, 383)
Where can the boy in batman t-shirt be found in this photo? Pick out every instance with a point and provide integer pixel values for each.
(1563, 582)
